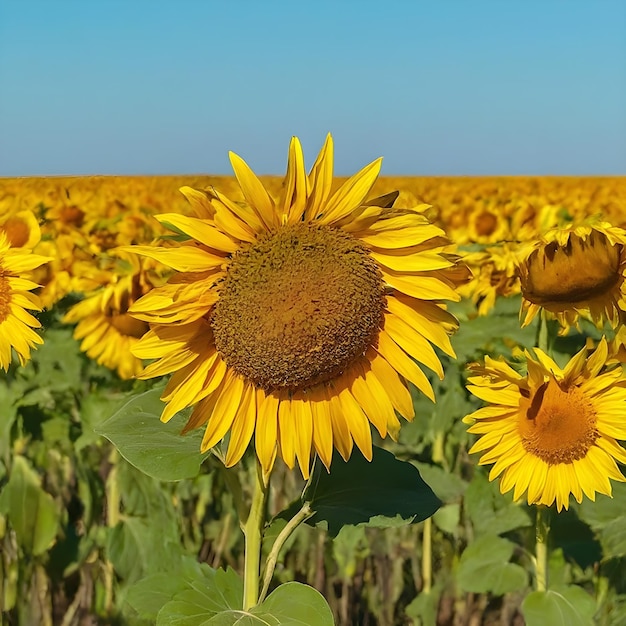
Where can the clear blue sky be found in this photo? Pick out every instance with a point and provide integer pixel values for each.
(435, 86)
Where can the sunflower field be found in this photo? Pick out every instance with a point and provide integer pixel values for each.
(312, 400)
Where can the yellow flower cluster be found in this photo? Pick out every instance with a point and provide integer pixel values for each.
(295, 311)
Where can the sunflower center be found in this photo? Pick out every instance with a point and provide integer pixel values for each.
(486, 223)
(298, 306)
(557, 424)
(579, 271)
(17, 231)
(5, 297)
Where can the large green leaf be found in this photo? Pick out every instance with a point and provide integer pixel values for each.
(567, 606)
(217, 602)
(607, 517)
(32, 512)
(484, 567)
(153, 447)
(211, 593)
(365, 492)
(292, 604)
(151, 593)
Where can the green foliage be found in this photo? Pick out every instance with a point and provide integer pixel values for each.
(567, 606)
(607, 518)
(157, 449)
(215, 598)
(32, 512)
(375, 492)
(151, 535)
(484, 567)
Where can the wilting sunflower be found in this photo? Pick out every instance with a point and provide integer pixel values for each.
(16, 323)
(298, 319)
(552, 432)
(579, 269)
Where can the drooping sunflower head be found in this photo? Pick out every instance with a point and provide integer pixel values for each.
(576, 270)
(552, 432)
(298, 318)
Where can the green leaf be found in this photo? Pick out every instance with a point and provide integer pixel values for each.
(135, 544)
(484, 567)
(349, 547)
(291, 604)
(448, 518)
(424, 608)
(490, 512)
(294, 604)
(607, 517)
(8, 414)
(150, 594)
(59, 360)
(214, 592)
(155, 448)
(447, 486)
(359, 490)
(32, 512)
(567, 606)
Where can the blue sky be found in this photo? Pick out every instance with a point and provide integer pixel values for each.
(439, 87)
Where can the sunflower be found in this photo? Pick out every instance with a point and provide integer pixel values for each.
(494, 274)
(16, 323)
(22, 229)
(576, 270)
(103, 326)
(553, 431)
(298, 319)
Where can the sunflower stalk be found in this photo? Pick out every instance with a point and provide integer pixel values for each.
(543, 335)
(270, 564)
(427, 556)
(542, 530)
(253, 535)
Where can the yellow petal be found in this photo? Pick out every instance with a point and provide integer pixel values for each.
(200, 230)
(320, 180)
(403, 364)
(253, 191)
(351, 194)
(242, 427)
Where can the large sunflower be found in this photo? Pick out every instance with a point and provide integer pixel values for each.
(576, 270)
(298, 319)
(553, 431)
(16, 323)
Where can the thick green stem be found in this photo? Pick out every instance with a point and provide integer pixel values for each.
(303, 514)
(542, 530)
(427, 556)
(253, 534)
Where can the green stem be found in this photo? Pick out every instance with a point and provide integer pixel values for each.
(252, 530)
(303, 514)
(543, 338)
(113, 500)
(542, 529)
(427, 556)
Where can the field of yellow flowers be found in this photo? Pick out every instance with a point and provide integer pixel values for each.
(89, 535)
